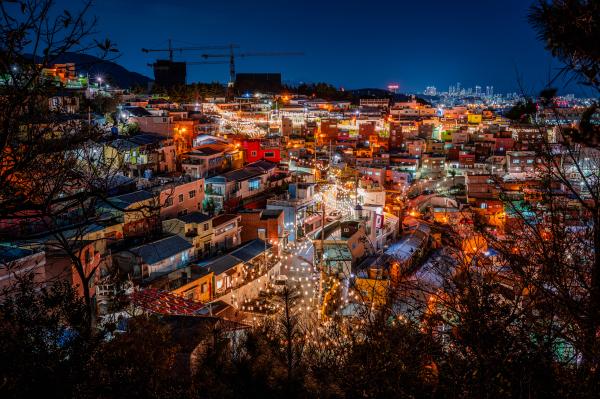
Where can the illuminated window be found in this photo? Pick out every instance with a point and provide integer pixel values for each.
(254, 185)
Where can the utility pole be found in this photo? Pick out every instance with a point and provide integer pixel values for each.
(264, 235)
(355, 189)
(322, 227)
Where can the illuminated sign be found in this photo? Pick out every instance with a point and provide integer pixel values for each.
(378, 221)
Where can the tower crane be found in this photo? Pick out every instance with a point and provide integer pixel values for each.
(168, 72)
(232, 56)
(172, 49)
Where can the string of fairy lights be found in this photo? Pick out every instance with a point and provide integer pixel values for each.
(323, 296)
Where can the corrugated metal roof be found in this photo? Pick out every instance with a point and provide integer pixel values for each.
(222, 219)
(132, 198)
(263, 164)
(194, 217)
(162, 249)
(250, 250)
(223, 263)
(270, 213)
(10, 253)
(243, 174)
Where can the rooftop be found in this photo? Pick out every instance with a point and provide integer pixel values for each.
(178, 277)
(131, 198)
(263, 164)
(204, 152)
(404, 249)
(162, 249)
(243, 174)
(162, 302)
(270, 214)
(222, 219)
(194, 217)
(222, 264)
(11, 253)
(250, 250)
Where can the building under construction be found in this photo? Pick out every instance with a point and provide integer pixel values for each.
(169, 73)
(258, 82)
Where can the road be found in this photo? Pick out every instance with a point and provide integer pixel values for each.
(297, 265)
(435, 185)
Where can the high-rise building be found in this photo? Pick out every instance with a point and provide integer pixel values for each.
(430, 91)
(169, 73)
(477, 90)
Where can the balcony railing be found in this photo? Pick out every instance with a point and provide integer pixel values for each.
(246, 280)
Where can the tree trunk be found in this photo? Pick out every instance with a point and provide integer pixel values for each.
(289, 335)
(590, 355)
(88, 303)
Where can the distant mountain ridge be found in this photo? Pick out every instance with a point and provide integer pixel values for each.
(110, 71)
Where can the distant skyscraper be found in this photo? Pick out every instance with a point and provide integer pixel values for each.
(431, 91)
(478, 90)
(488, 91)
(491, 91)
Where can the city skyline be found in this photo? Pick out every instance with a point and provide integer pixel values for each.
(412, 46)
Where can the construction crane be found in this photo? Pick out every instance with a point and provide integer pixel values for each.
(172, 49)
(232, 56)
(168, 73)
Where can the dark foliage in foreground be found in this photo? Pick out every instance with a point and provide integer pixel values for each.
(46, 348)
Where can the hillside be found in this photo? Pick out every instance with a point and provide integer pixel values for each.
(110, 71)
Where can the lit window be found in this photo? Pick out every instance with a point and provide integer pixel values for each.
(254, 185)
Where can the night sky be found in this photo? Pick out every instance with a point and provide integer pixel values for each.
(352, 43)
